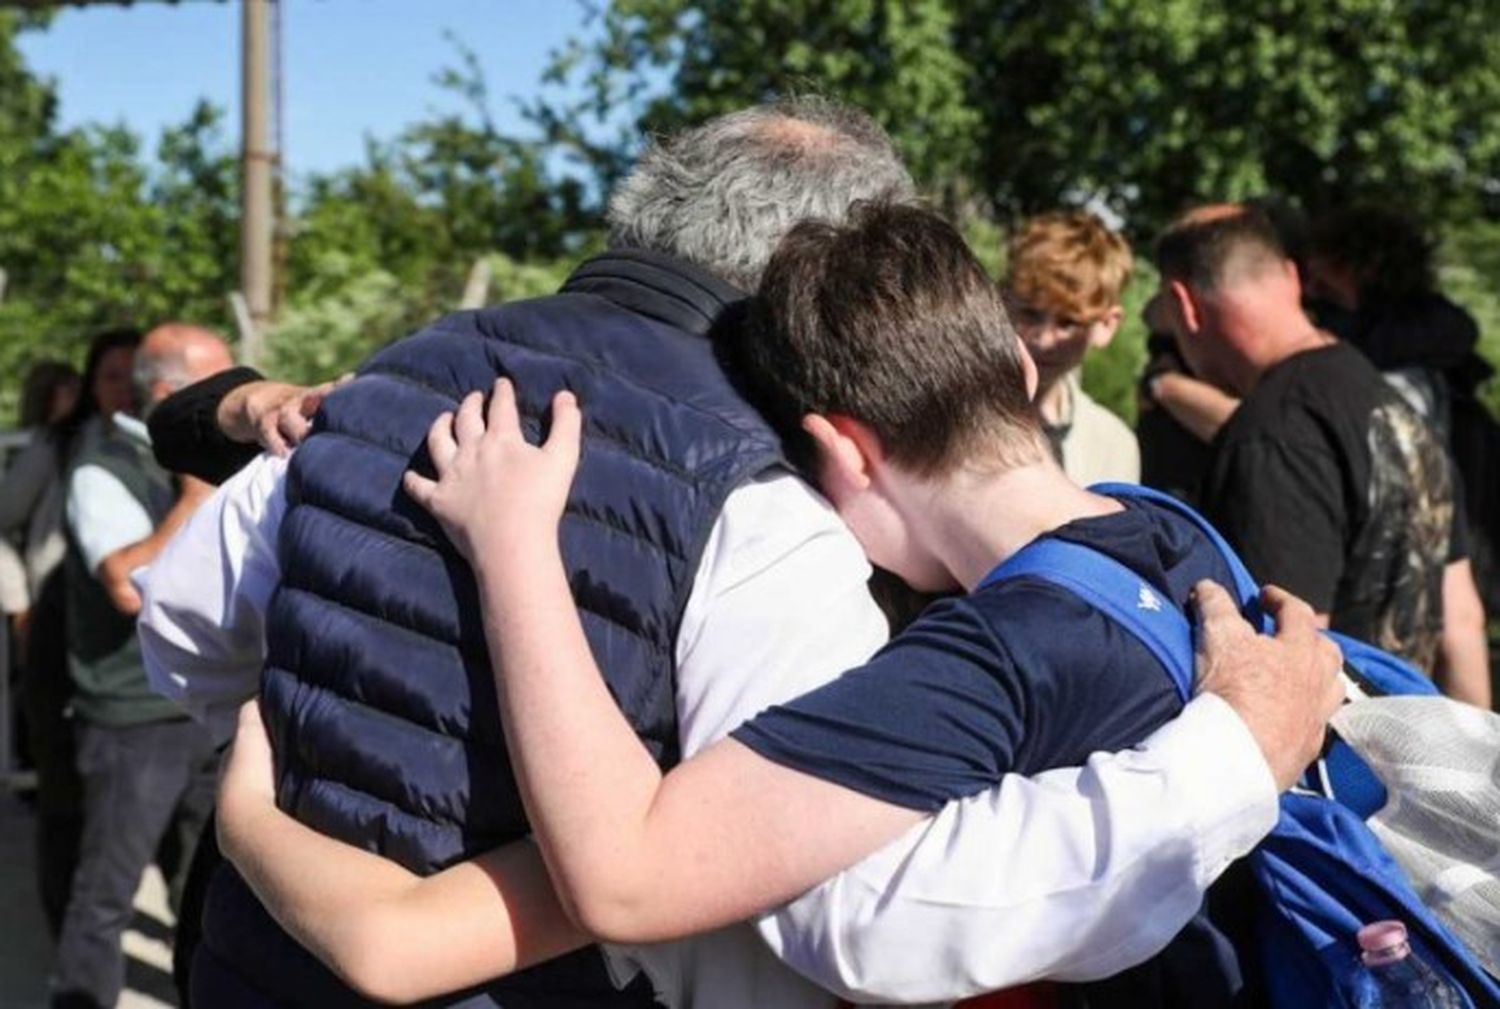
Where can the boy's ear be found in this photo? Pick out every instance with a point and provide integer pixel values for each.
(845, 448)
(1105, 329)
(1294, 278)
(1029, 373)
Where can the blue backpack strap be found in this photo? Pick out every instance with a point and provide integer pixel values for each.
(1340, 774)
(1244, 584)
(1117, 592)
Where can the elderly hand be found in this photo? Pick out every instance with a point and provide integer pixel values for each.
(1285, 688)
(495, 491)
(275, 415)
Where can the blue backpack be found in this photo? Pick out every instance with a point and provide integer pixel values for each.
(1322, 872)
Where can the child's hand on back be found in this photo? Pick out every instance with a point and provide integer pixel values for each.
(495, 492)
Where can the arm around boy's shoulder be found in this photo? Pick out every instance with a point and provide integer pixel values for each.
(1074, 874)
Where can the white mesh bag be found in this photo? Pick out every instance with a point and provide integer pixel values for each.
(1439, 760)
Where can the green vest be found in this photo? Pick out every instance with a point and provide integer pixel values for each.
(104, 655)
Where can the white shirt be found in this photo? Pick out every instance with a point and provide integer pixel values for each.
(103, 515)
(1077, 873)
(14, 596)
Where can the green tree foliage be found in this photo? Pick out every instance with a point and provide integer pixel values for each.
(96, 232)
(1150, 106)
(1144, 105)
(382, 248)
(1006, 108)
(670, 62)
(348, 309)
(92, 234)
(1002, 107)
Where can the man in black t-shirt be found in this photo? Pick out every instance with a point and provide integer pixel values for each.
(1324, 480)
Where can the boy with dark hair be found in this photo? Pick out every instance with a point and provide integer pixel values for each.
(1065, 273)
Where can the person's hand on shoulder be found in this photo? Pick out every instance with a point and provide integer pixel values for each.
(1285, 687)
(495, 492)
(274, 415)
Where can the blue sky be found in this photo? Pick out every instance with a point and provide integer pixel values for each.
(352, 67)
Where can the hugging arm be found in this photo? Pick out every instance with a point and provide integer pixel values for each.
(1079, 873)
(391, 935)
(213, 428)
(1057, 885)
(1202, 408)
(636, 857)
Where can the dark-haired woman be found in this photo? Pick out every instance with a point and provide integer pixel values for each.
(31, 504)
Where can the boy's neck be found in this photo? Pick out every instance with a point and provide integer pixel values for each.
(975, 521)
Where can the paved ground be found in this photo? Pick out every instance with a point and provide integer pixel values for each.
(26, 953)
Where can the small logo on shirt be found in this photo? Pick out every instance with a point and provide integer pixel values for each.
(1148, 601)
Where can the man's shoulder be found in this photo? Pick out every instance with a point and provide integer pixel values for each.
(1330, 380)
(770, 516)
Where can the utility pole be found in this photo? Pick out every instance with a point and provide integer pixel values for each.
(257, 165)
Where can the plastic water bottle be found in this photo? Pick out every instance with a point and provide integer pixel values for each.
(1396, 978)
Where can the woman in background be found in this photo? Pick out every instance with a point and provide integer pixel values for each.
(59, 409)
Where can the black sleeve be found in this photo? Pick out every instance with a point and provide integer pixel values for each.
(1280, 505)
(1458, 540)
(185, 433)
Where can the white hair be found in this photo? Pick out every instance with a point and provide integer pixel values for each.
(722, 195)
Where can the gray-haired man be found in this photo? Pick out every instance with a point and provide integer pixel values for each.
(717, 584)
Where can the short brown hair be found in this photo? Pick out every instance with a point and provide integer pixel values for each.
(1212, 247)
(1069, 264)
(890, 320)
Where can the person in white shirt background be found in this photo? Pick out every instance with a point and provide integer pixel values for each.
(1073, 873)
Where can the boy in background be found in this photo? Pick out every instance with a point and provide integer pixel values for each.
(1065, 273)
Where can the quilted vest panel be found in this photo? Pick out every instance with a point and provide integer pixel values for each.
(377, 689)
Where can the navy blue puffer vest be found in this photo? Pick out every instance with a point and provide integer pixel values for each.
(378, 689)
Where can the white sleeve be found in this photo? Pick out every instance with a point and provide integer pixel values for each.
(103, 515)
(15, 597)
(780, 606)
(1073, 874)
(204, 599)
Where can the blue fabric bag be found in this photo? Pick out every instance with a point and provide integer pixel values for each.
(1322, 872)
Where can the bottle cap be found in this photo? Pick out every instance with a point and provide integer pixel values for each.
(1382, 937)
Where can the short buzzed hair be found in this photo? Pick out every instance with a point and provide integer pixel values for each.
(1214, 247)
(722, 195)
(890, 320)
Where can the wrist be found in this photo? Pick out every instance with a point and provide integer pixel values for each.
(1153, 386)
(506, 546)
(519, 561)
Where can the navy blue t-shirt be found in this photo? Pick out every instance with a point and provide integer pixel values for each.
(1019, 675)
